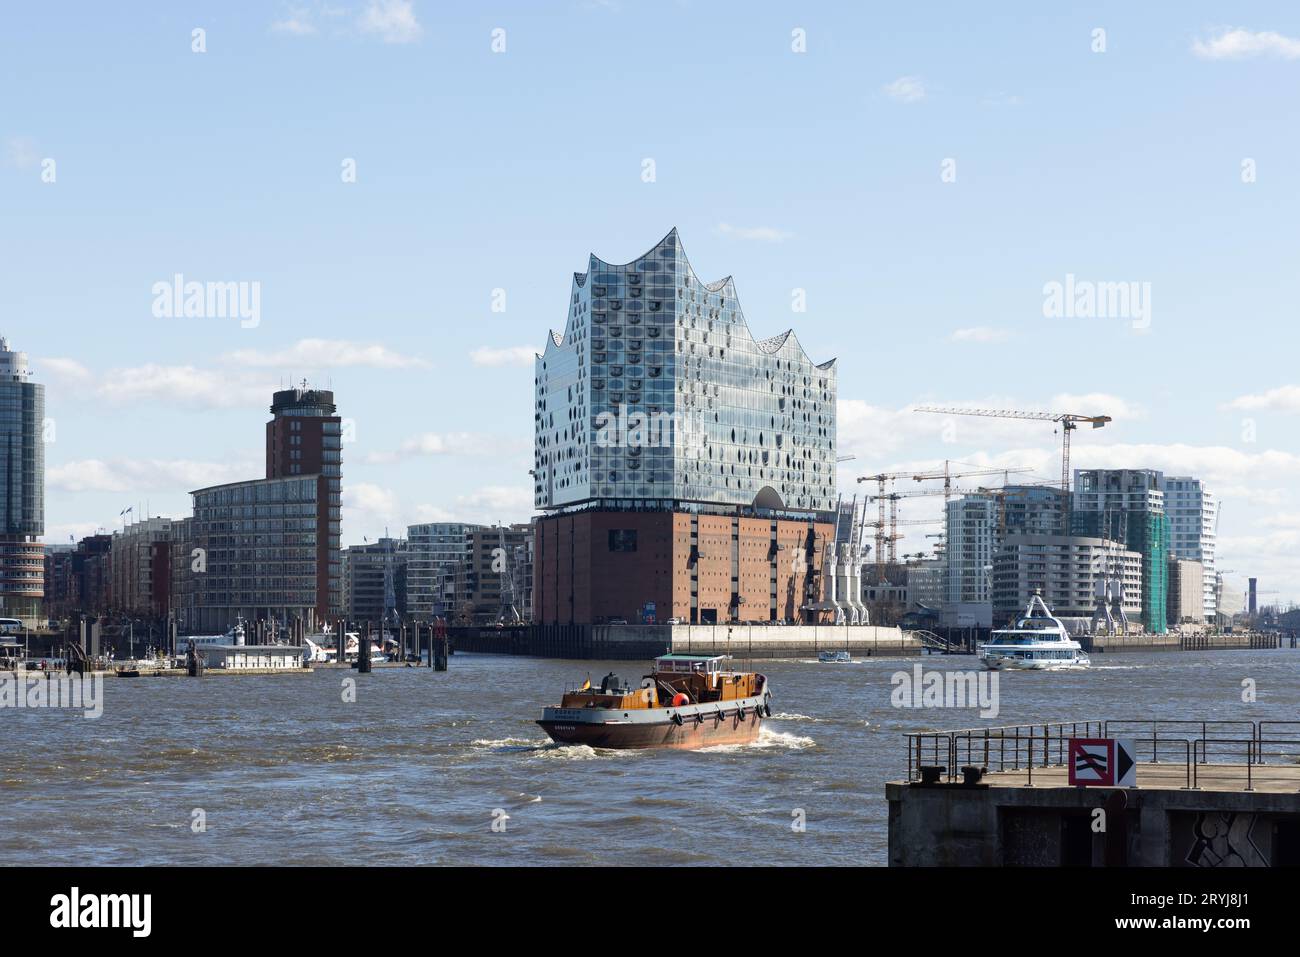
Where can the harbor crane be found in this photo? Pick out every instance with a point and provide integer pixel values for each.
(1068, 422)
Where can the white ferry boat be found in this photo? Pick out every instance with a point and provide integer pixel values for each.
(1036, 642)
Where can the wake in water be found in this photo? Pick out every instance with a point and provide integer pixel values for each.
(768, 740)
(546, 748)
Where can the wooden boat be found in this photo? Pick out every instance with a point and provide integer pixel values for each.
(687, 701)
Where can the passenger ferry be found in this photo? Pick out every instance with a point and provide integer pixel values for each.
(687, 701)
(1036, 642)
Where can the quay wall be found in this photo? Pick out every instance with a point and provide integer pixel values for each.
(956, 826)
(639, 642)
(1100, 644)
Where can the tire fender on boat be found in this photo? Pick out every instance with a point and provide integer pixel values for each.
(677, 718)
(767, 704)
(740, 713)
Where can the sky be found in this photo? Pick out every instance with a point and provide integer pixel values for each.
(409, 186)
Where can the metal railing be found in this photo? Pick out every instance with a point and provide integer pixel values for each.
(1238, 750)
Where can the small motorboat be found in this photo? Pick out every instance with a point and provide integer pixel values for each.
(834, 657)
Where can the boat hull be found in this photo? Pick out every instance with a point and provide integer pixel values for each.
(702, 732)
(1017, 664)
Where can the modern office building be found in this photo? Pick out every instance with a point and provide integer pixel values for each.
(682, 463)
(77, 581)
(970, 539)
(305, 437)
(1066, 571)
(1128, 505)
(22, 489)
(268, 549)
(375, 581)
(1032, 510)
(140, 565)
(484, 587)
(1193, 512)
(434, 550)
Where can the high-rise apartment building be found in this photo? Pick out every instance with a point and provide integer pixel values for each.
(1066, 572)
(22, 489)
(685, 466)
(434, 550)
(375, 576)
(268, 549)
(1128, 506)
(140, 566)
(1193, 512)
(305, 437)
(969, 543)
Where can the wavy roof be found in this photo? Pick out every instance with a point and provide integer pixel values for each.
(726, 285)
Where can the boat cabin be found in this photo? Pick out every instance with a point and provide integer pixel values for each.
(700, 678)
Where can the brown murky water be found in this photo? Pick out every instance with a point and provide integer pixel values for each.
(419, 767)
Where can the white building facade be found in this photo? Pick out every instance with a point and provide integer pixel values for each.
(1193, 512)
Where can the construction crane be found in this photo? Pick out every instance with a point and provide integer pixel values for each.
(884, 538)
(891, 539)
(1068, 422)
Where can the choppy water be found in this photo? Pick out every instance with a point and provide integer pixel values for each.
(415, 770)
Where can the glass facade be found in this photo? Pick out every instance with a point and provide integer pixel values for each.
(22, 488)
(657, 395)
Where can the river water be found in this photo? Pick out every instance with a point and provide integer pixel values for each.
(419, 768)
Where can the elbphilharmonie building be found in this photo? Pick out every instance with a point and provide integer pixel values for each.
(657, 392)
(685, 468)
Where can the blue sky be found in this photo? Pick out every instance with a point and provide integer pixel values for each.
(820, 171)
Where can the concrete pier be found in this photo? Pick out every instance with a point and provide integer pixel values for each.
(1222, 795)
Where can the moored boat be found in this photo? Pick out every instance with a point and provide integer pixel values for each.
(687, 701)
(834, 656)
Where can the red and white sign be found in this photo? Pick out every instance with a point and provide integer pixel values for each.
(1102, 762)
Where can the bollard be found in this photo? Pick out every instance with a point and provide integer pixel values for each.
(363, 652)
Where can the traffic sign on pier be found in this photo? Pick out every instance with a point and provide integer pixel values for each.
(1102, 762)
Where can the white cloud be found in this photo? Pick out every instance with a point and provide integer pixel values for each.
(1096, 403)
(185, 385)
(68, 370)
(448, 443)
(508, 356)
(327, 354)
(370, 499)
(1284, 398)
(129, 475)
(767, 234)
(906, 89)
(1239, 44)
(980, 334)
(487, 505)
(392, 20)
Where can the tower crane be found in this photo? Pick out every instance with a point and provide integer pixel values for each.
(1068, 422)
